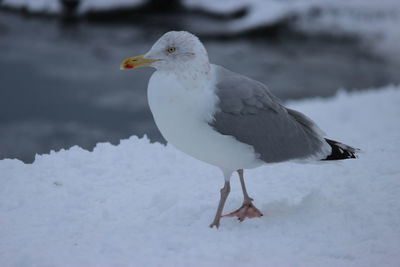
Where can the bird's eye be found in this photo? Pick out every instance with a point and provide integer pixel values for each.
(171, 49)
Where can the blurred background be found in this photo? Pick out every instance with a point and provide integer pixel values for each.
(60, 83)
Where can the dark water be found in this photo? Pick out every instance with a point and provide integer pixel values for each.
(61, 86)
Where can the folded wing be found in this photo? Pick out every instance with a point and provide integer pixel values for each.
(250, 113)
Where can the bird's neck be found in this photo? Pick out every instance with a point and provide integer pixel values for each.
(194, 77)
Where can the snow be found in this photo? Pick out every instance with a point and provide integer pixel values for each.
(88, 5)
(375, 20)
(47, 6)
(54, 6)
(146, 204)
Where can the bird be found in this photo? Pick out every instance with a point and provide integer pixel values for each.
(225, 118)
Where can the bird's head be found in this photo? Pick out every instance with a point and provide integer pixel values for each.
(174, 51)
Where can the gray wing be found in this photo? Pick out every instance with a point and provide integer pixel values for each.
(250, 113)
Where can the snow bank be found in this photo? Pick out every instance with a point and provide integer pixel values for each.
(54, 6)
(143, 204)
(345, 14)
(377, 20)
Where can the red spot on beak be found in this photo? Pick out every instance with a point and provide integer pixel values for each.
(129, 66)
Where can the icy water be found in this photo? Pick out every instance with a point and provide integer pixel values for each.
(62, 86)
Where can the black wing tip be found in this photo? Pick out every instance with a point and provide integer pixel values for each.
(341, 151)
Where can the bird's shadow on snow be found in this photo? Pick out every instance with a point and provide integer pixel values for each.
(305, 209)
(303, 213)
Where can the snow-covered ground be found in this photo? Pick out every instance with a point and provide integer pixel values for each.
(143, 204)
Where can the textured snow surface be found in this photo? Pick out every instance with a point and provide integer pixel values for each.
(142, 204)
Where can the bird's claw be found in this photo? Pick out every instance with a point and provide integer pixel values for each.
(247, 210)
(216, 224)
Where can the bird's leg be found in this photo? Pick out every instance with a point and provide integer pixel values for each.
(247, 210)
(224, 195)
(246, 198)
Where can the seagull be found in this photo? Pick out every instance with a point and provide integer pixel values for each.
(224, 118)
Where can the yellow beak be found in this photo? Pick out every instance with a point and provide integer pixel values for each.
(134, 62)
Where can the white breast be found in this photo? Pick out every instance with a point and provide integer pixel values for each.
(182, 116)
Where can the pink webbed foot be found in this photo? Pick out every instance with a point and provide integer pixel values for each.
(247, 210)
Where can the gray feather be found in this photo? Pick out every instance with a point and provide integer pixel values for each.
(249, 112)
